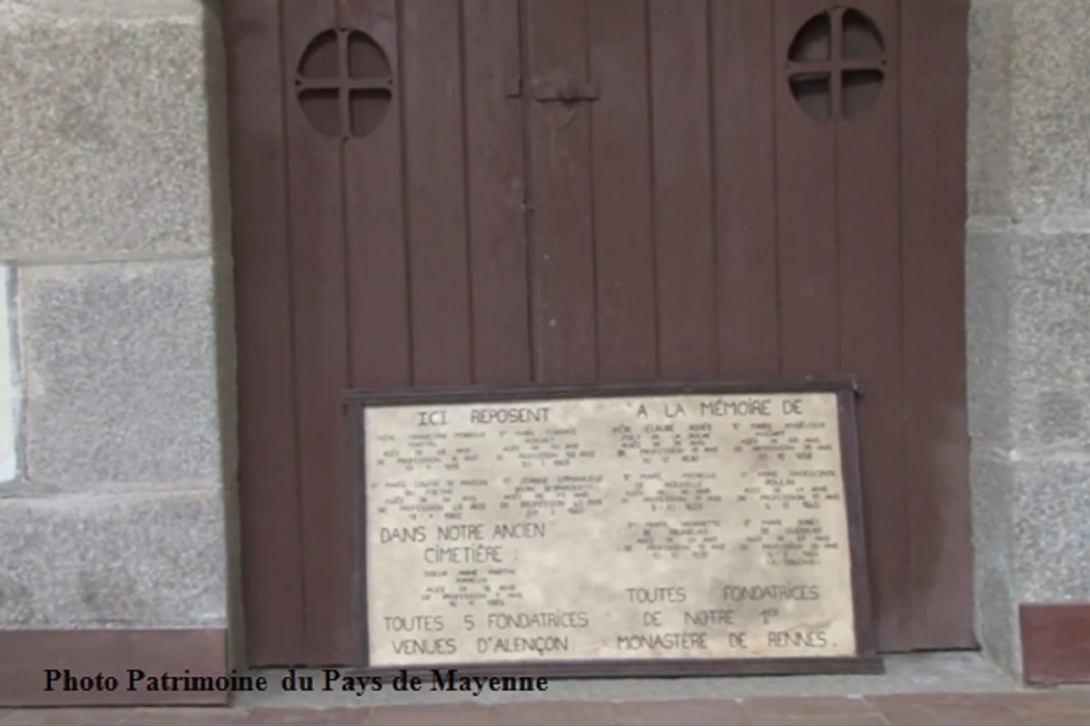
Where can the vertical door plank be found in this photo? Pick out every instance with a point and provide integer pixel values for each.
(432, 96)
(380, 348)
(497, 227)
(378, 325)
(806, 216)
(623, 222)
(563, 262)
(743, 93)
(268, 486)
(934, 100)
(868, 197)
(321, 352)
(684, 234)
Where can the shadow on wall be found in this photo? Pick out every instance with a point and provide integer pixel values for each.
(217, 84)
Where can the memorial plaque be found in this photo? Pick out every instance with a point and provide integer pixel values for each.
(665, 529)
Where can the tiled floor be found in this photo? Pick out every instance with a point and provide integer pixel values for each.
(941, 689)
(1062, 707)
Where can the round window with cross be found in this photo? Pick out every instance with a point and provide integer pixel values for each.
(837, 65)
(344, 83)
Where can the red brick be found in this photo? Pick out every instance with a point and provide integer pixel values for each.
(681, 712)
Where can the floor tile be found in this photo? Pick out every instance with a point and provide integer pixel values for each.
(811, 710)
(307, 716)
(581, 713)
(456, 715)
(681, 712)
(68, 715)
(185, 716)
(1054, 707)
(931, 709)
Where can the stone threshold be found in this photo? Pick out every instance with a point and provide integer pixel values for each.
(1060, 707)
(939, 688)
(925, 673)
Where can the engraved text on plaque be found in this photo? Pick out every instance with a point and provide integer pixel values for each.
(690, 526)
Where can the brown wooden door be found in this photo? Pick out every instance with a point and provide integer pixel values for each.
(554, 191)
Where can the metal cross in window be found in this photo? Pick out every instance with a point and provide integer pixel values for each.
(344, 83)
(836, 65)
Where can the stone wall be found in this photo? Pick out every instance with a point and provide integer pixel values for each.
(1029, 309)
(115, 233)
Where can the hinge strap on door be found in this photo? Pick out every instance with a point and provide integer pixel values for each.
(564, 90)
(513, 87)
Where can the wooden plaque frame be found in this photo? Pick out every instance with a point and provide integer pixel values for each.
(865, 659)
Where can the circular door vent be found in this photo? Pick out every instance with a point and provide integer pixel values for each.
(344, 83)
(837, 65)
